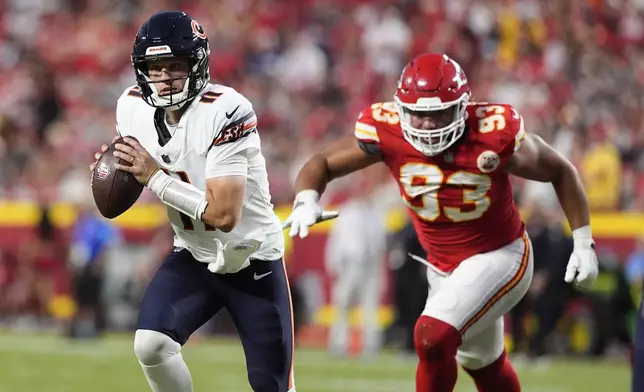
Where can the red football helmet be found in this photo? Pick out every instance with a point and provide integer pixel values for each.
(432, 82)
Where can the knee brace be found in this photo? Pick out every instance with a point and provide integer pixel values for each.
(152, 347)
(435, 339)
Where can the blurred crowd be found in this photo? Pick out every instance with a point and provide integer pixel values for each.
(574, 69)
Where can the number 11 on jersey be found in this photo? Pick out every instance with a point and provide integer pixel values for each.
(188, 224)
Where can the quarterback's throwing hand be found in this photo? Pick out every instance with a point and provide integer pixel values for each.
(582, 268)
(143, 165)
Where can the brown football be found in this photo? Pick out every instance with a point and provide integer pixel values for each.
(115, 191)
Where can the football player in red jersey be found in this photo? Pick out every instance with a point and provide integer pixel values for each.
(452, 160)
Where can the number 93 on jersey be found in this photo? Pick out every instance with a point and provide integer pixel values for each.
(464, 195)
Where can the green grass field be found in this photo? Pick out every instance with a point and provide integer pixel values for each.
(37, 363)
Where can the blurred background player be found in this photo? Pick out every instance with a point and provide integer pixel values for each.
(355, 259)
(199, 151)
(409, 285)
(93, 242)
(452, 160)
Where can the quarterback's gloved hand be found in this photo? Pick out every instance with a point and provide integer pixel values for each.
(582, 267)
(306, 212)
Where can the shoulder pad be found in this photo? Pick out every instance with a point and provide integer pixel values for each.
(372, 119)
(209, 97)
(500, 125)
(233, 117)
(131, 92)
(129, 98)
(126, 106)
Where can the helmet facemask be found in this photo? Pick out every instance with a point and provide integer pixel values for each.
(196, 80)
(433, 141)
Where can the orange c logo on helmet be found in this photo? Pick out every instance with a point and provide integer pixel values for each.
(197, 30)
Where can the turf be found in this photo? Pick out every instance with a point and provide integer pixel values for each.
(45, 363)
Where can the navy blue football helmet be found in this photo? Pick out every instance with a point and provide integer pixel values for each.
(170, 34)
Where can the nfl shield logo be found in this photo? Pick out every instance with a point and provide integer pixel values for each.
(102, 171)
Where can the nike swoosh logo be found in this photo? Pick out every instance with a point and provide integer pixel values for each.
(231, 114)
(258, 277)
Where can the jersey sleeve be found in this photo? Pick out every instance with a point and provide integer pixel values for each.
(366, 133)
(234, 128)
(499, 127)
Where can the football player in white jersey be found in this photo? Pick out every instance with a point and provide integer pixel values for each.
(195, 145)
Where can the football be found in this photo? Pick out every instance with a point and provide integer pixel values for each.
(115, 191)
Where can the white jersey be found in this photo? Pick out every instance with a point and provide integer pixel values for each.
(222, 122)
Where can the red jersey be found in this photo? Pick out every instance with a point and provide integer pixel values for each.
(460, 201)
